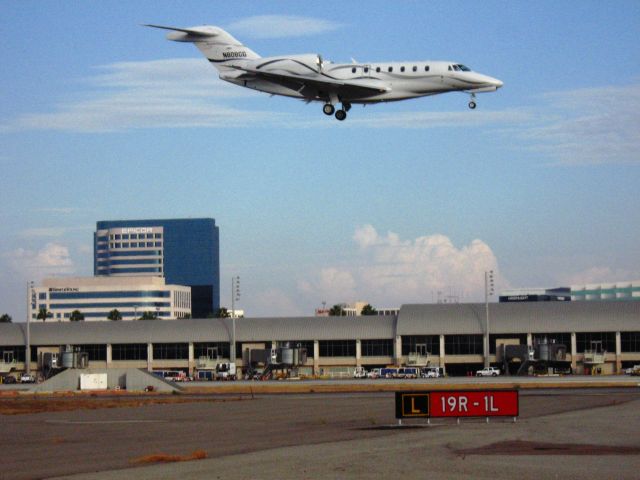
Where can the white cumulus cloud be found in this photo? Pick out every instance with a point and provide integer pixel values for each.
(390, 271)
(52, 259)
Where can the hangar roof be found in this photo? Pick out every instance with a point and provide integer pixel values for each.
(200, 330)
(520, 317)
(447, 319)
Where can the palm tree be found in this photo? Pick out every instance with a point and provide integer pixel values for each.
(76, 316)
(221, 313)
(5, 318)
(43, 314)
(149, 316)
(368, 310)
(114, 315)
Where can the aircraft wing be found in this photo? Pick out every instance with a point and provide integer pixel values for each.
(321, 85)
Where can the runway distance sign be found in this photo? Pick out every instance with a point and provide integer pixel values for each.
(457, 404)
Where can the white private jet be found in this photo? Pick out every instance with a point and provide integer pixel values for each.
(310, 78)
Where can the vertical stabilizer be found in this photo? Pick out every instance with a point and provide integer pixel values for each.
(217, 45)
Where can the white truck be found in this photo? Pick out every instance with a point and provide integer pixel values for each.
(635, 370)
(488, 372)
(360, 372)
(226, 371)
(432, 372)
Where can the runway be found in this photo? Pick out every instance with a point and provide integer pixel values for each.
(337, 435)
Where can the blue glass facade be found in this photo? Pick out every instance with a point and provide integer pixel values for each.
(190, 256)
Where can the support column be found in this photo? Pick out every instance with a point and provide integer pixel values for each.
(316, 357)
(109, 355)
(486, 350)
(149, 357)
(574, 352)
(618, 352)
(442, 361)
(192, 360)
(397, 350)
(529, 340)
(358, 353)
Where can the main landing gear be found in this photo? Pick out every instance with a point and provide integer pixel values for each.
(472, 102)
(329, 109)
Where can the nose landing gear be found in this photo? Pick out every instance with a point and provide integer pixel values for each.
(472, 102)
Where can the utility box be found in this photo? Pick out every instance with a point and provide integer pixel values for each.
(93, 381)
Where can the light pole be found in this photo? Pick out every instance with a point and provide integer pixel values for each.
(488, 291)
(27, 350)
(235, 295)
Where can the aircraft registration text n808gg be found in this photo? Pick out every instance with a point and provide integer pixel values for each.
(311, 78)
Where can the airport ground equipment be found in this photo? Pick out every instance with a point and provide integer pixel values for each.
(360, 372)
(635, 370)
(280, 361)
(488, 372)
(542, 357)
(226, 371)
(432, 372)
(68, 356)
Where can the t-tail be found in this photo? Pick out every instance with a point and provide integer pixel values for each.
(220, 48)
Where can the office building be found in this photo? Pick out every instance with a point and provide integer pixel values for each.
(96, 297)
(183, 251)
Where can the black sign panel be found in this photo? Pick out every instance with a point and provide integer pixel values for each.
(412, 404)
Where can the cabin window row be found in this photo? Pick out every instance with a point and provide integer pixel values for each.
(390, 69)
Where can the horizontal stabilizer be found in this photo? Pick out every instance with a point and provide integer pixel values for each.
(187, 34)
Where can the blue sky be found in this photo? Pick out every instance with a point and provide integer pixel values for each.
(103, 119)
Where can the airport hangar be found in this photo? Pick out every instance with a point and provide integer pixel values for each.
(448, 335)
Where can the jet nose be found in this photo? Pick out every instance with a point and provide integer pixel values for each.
(497, 83)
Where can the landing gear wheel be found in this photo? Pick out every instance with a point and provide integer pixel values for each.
(328, 109)
(341, 115)
(472, 104)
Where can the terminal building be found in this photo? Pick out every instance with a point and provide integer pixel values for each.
(575, 293)
(606, 291)
(96, 297)
(183, 251)
(601, 337)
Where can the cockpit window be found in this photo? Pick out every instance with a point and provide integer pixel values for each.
(464, 68)
(456, 68)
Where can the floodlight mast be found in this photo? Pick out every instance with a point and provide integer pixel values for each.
(235, 295)
(488, 291)
(27, 350)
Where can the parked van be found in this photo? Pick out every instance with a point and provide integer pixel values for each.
(432, 372)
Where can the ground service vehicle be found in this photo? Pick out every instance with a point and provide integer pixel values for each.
(488, 372)
(27, 378)
(359, 372)
(635, 370)
(171, 375)
(432, 372)
(374, 373)
(226, 371)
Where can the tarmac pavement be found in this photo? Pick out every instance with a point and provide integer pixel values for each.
(341, 435)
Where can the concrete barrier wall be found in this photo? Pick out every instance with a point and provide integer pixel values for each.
(131, 379)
